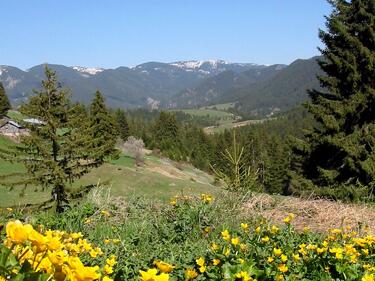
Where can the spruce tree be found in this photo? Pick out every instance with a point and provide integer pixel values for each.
(4, 101)
(122, 124)
(58, 148)
(54, 152)
(103, 130)
(166, 131)
(339, 152)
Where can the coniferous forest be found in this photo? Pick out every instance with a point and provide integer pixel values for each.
(245, 183)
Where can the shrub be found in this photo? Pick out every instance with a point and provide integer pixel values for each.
(135, 148)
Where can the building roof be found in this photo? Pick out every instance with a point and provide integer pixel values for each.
(6, 121)
(33, 121)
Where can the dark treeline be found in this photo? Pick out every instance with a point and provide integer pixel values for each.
(266, 146)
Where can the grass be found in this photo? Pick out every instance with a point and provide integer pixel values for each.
(230, 229)
(158, 179)
(221, 106)
(212, 113)
(16, 115)
(230, 125)
(125, 180)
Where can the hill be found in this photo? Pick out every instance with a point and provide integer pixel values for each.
(158, 178)
(283, 91)
(212, 89)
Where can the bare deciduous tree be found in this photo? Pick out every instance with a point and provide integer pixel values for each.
(135, 148)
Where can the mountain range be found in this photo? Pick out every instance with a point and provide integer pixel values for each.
(183, 84)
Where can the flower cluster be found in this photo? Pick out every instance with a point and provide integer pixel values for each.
(152, 273)
(270, 252)
(54, 253)
(205, 198)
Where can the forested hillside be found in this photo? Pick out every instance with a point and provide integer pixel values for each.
(282, 91)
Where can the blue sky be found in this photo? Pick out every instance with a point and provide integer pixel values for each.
(112, 33)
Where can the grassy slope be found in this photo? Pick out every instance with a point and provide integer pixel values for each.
(225, 120)
(209, 112)
(158, 179)
(11, 197)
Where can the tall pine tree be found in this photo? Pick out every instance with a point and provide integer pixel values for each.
(103, 130)
(54, 152)
(58, 148)
(4, 101)
(122, 124)
(340, 151)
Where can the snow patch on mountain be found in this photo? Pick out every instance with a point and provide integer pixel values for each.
(196, 64)
(3, 69)
(88, 70)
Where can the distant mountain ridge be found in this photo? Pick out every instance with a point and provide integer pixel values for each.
(123, 86)
(256, 89)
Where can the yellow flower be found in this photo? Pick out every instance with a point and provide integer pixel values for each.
(37, 240)
(191, 273)
(200, 261)
(243, 275)
(75, 270)
(279, 277)
(173, 202)
(365, 252)
(58, 257)
(202, 269)
(283, 268)
(368, 277)
(163, 266)
(277, 252)
(235, 241)
(274, 229)
(215, 261)
(76, 235)
(9, 209)
(151, 275)
(241, 261)
(296, 257)
(311, 247)
(321, 250)
(227, 252)
(53, 243)
(214, 246)
(283, 258)
(206, 198)
(289, 218)
(270, 259)
(108, 269)
(105, 213)
(257, 230)
(245, 226)
(111, 261)
(338, 252)
(265, 239)
(93, 253)
(225, 234)
(107, 241)
(106, 278)
(17, 232)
